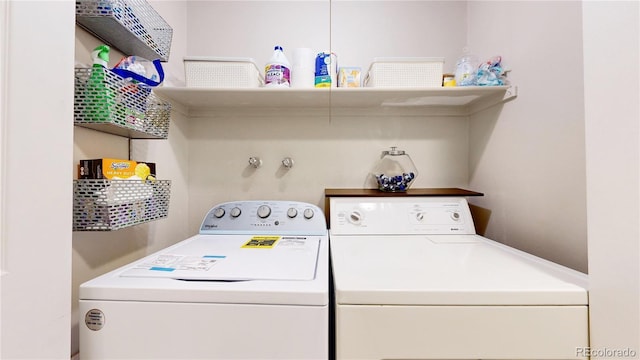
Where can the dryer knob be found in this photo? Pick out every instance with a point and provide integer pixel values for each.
(420, 216)
(355, 217)
(308, 213)
(264, 211)
(219, 212)
(235, 212)
(455, 216)
(292, 212)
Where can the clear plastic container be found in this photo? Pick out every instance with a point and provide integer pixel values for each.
(395, 171)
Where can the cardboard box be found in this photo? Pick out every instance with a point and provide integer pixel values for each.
(113, 168)
(349, 77)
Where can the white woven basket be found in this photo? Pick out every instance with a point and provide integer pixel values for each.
(405, 72)
(220, 72)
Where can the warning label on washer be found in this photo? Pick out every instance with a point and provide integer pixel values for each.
(261, 242)
(293, 241)
(170, 262)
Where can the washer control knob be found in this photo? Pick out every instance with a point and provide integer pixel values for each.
(308, 213)
(455, 216)
(219, 212)
(355, 217)
(420, 216)
(264, 211)
(235, 212)
(292, 212)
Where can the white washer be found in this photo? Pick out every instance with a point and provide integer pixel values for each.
(253, 284)
(412, 280)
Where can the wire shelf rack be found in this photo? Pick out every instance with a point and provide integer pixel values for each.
(108, 102)
(133, 26)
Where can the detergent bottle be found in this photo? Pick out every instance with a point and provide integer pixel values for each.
(277, 72)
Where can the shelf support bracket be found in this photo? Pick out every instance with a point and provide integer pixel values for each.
(510, 93)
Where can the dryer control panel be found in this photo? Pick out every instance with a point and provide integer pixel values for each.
(400, 216)
(268, 217)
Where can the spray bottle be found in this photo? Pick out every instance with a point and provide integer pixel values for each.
(99, 97)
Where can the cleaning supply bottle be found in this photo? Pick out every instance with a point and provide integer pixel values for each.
(277, 72)
(99, 97)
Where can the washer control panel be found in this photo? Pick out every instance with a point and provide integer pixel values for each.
(402, 215)
(264, 217)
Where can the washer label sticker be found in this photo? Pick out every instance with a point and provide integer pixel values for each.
(170, 262)
(293, 241)
(261, 242)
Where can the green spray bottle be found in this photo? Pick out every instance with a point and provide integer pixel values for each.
(99, 96)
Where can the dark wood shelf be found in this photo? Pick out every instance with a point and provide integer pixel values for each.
(329, 193)
(410, 192)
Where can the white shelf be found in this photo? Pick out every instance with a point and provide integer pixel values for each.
(453, 101)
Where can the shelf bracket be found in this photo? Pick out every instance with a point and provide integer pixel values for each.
(509, 94)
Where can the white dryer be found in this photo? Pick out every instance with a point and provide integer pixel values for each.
(253, 284)
(412, 280)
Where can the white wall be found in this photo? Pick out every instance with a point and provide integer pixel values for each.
(612, 117)
(328, 154)
(252, 28)
(364, 30)
(36, 112)
(528, 157)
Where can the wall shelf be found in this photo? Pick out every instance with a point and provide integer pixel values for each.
(452, 101)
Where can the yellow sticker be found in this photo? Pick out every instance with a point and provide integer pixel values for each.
(261, 242)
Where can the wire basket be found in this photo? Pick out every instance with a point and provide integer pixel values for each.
(103, 99)
(132, 26)
(101, 205)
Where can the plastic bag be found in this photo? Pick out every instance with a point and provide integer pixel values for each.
(466, 70)
(140, 70)
(491, 73)
(139, 76)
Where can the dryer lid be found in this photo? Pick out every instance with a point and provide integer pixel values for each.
(447, 270)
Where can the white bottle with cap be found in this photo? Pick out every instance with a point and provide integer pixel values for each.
(277, 72)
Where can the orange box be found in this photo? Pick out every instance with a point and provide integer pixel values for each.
(109, 168)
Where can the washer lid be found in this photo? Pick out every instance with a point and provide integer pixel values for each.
(223, 269)
(447, 270)
(234, 258)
